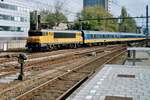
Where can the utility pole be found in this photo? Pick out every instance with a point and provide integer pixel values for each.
(81, 28)
(147, 30)
(38, 18)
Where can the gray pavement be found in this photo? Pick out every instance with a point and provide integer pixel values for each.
(143, 59)
(107, 83)
(124, 81)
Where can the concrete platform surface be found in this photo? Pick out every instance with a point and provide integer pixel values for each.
(142, 59)
(139, 48)
(117, 81)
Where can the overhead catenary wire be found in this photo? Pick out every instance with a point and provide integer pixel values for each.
(130, 10)
(112, 18)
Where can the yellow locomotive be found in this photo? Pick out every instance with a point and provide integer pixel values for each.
(48, 39)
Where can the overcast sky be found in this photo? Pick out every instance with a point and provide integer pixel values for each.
(134, 8)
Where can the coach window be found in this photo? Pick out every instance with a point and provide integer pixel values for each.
(114, 36)
(97, 36)
(94, 36)
(100, 36)
(91, 36)
(108, 36)
(111, 36)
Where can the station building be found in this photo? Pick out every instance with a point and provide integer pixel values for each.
(14, 24)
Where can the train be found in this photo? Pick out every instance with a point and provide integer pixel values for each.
(51, 39)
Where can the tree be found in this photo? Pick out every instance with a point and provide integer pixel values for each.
(58, 9)
(54, 18)
(96, 13)
(127, 25)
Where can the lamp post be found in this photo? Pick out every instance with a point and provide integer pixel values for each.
(21, 60)
(147, 30)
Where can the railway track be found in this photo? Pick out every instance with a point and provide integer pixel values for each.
(36, 62)
(54, 71)
(60, 86)
(44, 66)
(10, 57)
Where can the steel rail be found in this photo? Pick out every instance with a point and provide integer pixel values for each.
(34, 90)
(71, 90)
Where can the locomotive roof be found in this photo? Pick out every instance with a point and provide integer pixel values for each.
(101, 32)
(64, 31)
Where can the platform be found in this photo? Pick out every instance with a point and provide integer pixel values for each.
(138, 49)
(118, 82)
(141, 57)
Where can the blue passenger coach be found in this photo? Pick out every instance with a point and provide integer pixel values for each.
(97, 36)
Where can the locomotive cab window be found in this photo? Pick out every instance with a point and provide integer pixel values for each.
(64, 35)
(35, 33)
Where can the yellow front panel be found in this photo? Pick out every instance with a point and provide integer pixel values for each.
(48, 38)
(33, 39)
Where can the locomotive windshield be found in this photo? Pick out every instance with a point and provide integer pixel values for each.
(35, 33)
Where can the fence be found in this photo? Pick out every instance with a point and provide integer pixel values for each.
(6, 45)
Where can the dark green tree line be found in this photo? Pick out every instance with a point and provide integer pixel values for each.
(96, 13)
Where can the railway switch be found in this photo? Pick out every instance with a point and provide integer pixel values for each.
(21, 60)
